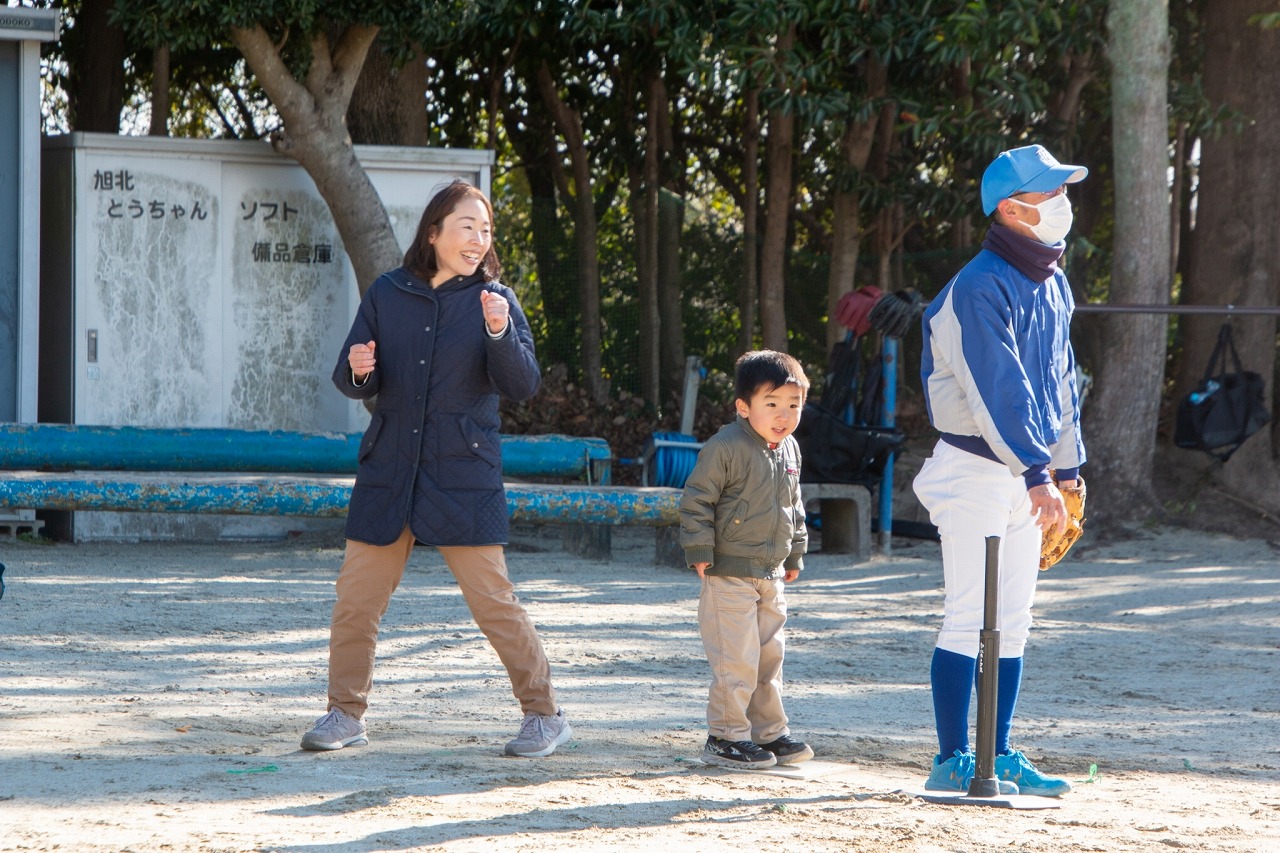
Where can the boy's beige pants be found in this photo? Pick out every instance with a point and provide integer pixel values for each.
(741, 622)
(370, 573)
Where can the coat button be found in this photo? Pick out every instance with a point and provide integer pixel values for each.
(474, 446)
(424, 361)
(415, 432)
(427, 329)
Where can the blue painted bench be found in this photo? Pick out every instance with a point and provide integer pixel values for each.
(244, 472)
(70, 447)
(314, 496)
(278, 472)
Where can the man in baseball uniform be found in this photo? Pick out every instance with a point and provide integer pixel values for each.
(999, 380)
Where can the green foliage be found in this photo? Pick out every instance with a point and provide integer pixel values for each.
(962, 80)
(189, 24)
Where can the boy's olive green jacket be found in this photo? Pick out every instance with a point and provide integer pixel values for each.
(741, 510)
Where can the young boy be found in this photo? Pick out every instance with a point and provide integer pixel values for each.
(742, 528)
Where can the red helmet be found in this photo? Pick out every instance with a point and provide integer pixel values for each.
(853, 311)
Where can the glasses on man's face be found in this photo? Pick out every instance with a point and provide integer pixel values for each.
(1062, 190)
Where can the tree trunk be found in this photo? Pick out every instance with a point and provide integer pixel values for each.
(846, 242)
(890, 230)
(95, 86)
(846, 227)
(388, 105)
(1177, 195)
(569, 121)
(962, 228)
(884, 232)
(1236, 256)
(1064, 104)
(159, 92)
(315, 135)
(645, 192)
(773, 254)
(749, 295)
(670, 230)
(533, 139)
(777, 217)
(1126, 404)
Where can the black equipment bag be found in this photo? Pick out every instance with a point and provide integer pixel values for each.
(835, 452)
(853, 391)
(1225, 408)
(844, 376)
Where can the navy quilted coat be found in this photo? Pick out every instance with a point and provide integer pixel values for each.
(430, 457)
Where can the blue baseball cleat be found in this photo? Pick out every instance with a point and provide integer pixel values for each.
(956, 773)
(1016, 768)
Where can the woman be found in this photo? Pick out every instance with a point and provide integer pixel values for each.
(436, 342)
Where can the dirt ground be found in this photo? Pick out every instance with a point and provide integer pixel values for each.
(152, 697)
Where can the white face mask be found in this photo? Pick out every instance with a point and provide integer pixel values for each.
(1055, 219)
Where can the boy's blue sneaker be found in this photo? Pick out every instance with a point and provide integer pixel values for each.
(1017, 769)
(956, 773)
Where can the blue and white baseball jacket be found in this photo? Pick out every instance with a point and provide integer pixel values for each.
(998, 370)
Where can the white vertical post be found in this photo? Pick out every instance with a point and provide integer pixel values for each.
(28, 27)
(688, 403)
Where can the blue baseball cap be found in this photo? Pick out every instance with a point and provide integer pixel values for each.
(1030, 169)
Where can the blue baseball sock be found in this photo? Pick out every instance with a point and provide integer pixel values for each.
(1006, 701)
(952, 678)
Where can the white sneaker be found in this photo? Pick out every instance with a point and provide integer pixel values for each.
(335, 730)
(540, 735)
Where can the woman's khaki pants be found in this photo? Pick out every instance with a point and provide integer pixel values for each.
(371, 573)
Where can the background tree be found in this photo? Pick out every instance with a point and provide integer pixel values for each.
(1236, 242)
(779, 151)
(307, 58)
(567, 116)
(389, 103)
(97, 51)
(1120, 439)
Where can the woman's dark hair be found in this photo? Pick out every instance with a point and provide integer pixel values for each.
(765, 370)
(421, 257)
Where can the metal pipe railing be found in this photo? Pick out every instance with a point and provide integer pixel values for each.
(1138, 308)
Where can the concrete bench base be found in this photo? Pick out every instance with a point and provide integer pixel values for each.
(13, 526)
(846, 517)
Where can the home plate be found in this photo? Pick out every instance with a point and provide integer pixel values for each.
(805, 770)
(1004, 801)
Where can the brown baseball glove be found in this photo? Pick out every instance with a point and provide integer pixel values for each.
(1053, 544)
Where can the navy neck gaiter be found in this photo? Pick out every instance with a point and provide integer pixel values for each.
(1032, 258)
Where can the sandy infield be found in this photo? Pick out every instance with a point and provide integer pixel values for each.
(152, 698)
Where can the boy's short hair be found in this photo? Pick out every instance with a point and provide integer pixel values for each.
(766, 369)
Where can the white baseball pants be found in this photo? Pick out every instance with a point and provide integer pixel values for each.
(970, 498)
